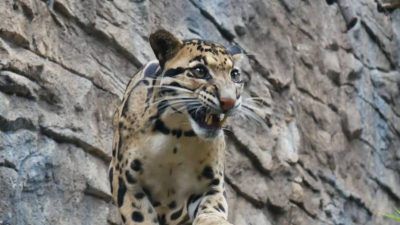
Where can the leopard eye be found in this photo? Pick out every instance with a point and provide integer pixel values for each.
(235, 76)
(201, 72)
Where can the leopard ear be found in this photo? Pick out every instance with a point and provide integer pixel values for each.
(165, 45)
(236, 52)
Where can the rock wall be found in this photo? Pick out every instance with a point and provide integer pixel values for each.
(328, 153)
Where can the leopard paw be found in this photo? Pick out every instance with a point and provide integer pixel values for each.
(210, 220)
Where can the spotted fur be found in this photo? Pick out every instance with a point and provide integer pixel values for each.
(167, 166)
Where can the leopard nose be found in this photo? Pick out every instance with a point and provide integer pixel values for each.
(227, 104)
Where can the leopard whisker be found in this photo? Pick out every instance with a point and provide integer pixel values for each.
(171, 99)
(250, 114)
(173, 88)
(181, 107)
(255, 98)
(177, 103)
(253, 108)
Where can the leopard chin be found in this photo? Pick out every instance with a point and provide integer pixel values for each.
(206, 123)
(203, 132)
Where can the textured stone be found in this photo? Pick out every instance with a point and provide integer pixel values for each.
(331, 66)
(242, 212)
(9, 184)
(351, 67)
(386, 84)
(351, 122)
(288, 143)
(297, 193)
(321, 149)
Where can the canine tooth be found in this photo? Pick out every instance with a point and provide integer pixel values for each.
(223, 120)
(209, 119)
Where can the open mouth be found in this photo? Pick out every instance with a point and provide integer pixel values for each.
(208, 120)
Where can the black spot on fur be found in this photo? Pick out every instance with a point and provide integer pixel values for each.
(211, 192)
(175, 150)
(123, 218)
(139, 195)
(146, 82)
(137, 216)
(125, 109)
(161, 220)
(129, 177)
(215, 182)
(177, 133)
(165, 91)
(192, 199)
(121, 192)
(120, 143)
(148, 194)
(174, 72)
(119, 156)
(161, 107)
(176, 214)
(148, 96)
(172, 205)
(189, 133)
(156, 204)
(160, 126)
(176, 84)
(136, 165)
(196, 210)
(221, 207)
(208, 172)
(185, 219)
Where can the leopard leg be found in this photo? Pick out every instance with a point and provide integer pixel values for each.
(137, 209)
(134, 205)
(212, 210)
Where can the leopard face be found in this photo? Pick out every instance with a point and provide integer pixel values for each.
(199, 80)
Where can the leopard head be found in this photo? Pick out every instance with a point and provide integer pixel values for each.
(199, 79)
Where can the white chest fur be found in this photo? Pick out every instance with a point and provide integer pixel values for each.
(172, 167)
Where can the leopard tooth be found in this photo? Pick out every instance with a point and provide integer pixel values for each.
(209, 119)
(223, 119)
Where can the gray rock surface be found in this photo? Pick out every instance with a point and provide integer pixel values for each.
(328, 151)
